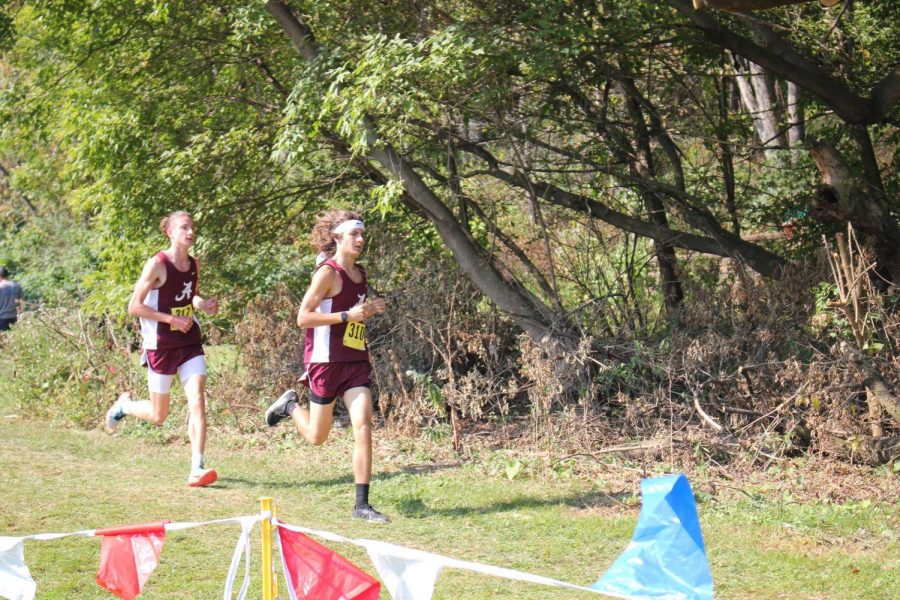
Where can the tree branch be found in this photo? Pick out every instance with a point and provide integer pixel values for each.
(775, 54)
(758, 258)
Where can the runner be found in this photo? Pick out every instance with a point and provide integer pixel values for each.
(337, 360)
(165, 298)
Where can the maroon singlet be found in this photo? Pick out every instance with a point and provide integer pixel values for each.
(174, 297)
(343, 342)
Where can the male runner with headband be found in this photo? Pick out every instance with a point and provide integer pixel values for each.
(165, 298)
(337, 360)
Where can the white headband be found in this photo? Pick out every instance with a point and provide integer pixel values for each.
(347, 226)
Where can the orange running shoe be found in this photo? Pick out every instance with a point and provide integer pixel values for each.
(202, 477)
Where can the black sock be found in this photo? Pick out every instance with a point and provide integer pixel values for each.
(362, 495)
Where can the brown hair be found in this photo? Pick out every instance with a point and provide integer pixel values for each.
(164, 223)
(322, 239)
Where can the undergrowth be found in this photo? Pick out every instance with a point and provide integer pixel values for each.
(747, 377)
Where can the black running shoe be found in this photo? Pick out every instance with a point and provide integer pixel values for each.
(368, 513)
(281, 408)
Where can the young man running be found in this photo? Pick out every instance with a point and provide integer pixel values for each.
(333, 311)
(165, 298)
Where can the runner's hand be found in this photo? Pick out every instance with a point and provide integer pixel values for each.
(358, 313)
(182, 324)
(361, 312)
(210, 306)
(377, 306)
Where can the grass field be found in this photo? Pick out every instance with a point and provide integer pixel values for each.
(760, 545)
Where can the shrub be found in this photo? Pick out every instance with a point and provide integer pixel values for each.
(61, 365)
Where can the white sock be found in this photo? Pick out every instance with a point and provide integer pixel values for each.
(125, 405)
(196, 462)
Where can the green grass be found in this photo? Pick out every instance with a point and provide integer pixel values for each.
(55, 479)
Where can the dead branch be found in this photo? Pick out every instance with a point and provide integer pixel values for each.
(705, 416)
(877, 390)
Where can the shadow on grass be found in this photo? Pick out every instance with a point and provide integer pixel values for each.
(414, 508)
(300, 483)
(417, 508)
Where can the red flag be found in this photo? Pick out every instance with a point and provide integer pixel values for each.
(314, 571)
(128, 555)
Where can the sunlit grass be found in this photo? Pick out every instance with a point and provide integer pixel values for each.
(56, 479)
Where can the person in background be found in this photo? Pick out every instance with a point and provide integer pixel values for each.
(165, 298)
(333, 312)
(11, 303)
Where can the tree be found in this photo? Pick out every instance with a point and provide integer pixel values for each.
(861, 200)
(514, 129)
(748, 5)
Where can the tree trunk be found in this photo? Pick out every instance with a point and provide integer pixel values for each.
(528, 312)
(726, 156)
(643, 167)
(756, 96)
(796, 129)
(842, 199)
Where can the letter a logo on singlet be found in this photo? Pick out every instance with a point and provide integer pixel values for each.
(186, 292)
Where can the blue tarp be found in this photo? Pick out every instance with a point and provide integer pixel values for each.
(666, 558)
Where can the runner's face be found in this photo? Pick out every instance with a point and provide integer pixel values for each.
(181, 232)
(351, 242)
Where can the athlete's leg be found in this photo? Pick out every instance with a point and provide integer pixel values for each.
(193, 381)
(358, 401)
(195, 392)
(359, 404)
(155, 410)
(313, 423)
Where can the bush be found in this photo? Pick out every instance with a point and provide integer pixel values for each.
(439, 351)
(61, 365)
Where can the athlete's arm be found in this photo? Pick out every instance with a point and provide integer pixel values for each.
(153, 276)
(210, 306)
(325, 283)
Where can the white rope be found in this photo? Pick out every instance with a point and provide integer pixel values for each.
(444, 561)
(243, 548)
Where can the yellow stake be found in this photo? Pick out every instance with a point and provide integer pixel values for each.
(269, 582)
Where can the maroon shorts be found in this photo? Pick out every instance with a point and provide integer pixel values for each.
(327, 381)
(166, 362)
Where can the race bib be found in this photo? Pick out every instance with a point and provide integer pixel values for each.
(355, 336)
(182, 311)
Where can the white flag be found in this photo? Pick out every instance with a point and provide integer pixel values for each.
(15, 580)
(407, 574)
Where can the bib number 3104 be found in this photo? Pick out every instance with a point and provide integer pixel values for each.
(355, 336)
